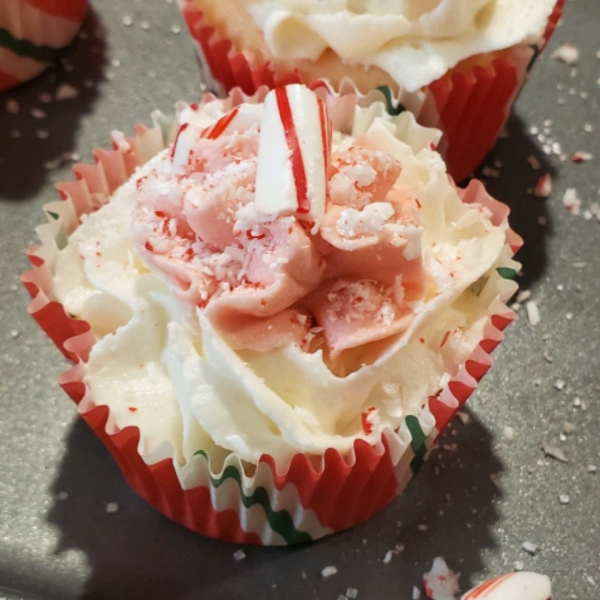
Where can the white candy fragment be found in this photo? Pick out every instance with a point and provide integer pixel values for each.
(581, 156)
(293, 151)
(182, 146)
(571, 201)
(567, 53)
(523, 585)
(328, 571)
(533, 313)
(240, 119)
(440, 583)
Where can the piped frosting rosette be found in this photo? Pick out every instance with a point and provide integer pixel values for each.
(457, 68)
(275, 305)
(32, 33)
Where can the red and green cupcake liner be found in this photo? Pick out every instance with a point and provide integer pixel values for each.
(32, 34)
(470, 109)
(269, 506)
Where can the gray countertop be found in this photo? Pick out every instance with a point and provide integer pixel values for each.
(485, 491)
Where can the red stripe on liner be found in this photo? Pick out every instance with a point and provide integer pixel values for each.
(291, 137)
(73, 10)
(216, 130)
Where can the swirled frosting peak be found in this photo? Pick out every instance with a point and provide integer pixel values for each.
(415, 41)
(226, 324)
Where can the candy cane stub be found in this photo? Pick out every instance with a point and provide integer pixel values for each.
(522, 585)
(294, 148)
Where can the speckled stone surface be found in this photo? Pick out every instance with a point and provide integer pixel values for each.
(485, 491)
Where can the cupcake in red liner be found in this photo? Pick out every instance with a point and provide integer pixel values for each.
(32, 33)
(275, 304)
(456, 68)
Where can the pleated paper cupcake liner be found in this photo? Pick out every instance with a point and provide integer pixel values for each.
(264, 505)
(32, 33)
(469, 104)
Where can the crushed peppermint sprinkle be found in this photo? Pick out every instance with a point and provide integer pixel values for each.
(65, 92)
(12, 106)
(559, 384)
(571, 201)
(328, 571)
(581, 156)
(568, 53)
(529, 547)
(440, 582)
(534, 163)
(370, 219)
(555, 453)
(508, 432)
(533, 313)
(543, 187)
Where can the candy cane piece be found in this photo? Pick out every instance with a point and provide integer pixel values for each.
(293, 152)
(522, 585)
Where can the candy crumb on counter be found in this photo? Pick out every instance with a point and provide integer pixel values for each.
(555, 453)
(239, 555)
(581, 156)
(328, 571)
(112, 507)
(529, 547)
(533, 313)
(568, 53)
(440, 583)
(543, 187)
(571, 201)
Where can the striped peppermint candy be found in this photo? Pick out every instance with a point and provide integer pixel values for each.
(293, 154)
(522, 585)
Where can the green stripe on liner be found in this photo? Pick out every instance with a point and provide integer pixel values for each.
(507, 273)
(389, 100)
(280, 521)
(25, 48)
(417, 442)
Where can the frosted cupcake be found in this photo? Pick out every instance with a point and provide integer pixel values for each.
(456, 65)
(275, 316)
(32, 34)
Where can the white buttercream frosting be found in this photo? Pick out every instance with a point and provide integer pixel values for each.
(162, 365)
(414, 41)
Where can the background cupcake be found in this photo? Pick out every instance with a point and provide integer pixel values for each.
(463, 82)
(306, 466)
(32, 32)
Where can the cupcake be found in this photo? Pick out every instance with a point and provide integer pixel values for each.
(275, 305)
(456, 65)
(32, 33)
